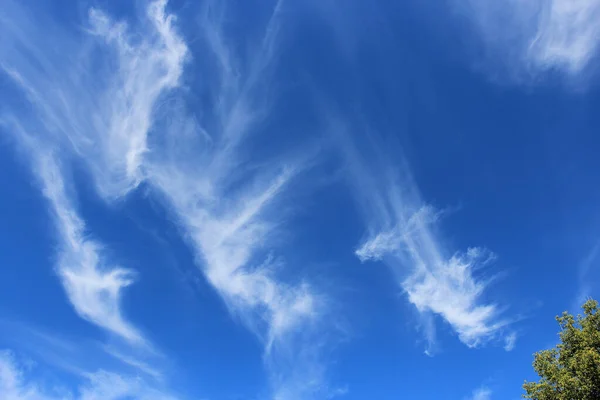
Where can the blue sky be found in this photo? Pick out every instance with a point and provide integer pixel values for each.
(226, 200)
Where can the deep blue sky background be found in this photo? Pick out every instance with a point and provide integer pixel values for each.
(357, 99)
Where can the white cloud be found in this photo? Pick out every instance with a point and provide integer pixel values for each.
(228, 210)
(97, 96)
(17, 383)
(93, 287)
(510, 341)
(99, 109)
(103, 385)
(482, 393)
(77, 356)
(108, 126)
(538, 35)
(135, 363)
(224, 204)
(568, 34)
(433, 283)
(93, 101)
(227, 237)
(403, 233)
(12, 385)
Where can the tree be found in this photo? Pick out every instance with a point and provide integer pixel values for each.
(571, 370)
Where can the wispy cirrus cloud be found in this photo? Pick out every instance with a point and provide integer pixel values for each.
(226, 202)
(538, 35)
(403, 232)
(481, 393)
(12, 383)
(222, 198)
(96, 97)
(510, 341)
(17, 383)
(93, 286)
(78, 355)
(92, 106)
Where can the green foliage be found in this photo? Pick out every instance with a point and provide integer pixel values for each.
(571, 370)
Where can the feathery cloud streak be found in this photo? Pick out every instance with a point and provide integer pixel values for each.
(16, 384)
(96, 97)
(98, 109)
(225, 232)
(539, 35)
(93, 287)
(402, 232)
(101, 116)
(224, 201)
(221, 197)
(482, 393)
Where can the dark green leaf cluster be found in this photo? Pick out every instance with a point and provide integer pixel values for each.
(571, 370)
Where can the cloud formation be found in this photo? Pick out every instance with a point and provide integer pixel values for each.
(538, 35)
(108, 102)
(96, 97)
(482, 393)
(510, 341)
(403, 233)
(92, 105)
(17, 383)
(226, 201)
(93, 287)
